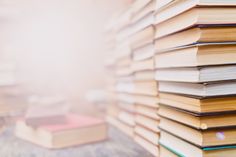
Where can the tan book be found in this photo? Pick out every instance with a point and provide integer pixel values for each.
(147, 134)
(150, 112)
(202, 138)
(194, 17)
(153, 149)
(146, 75)
(127, 107)
(208, 105)
(78, 130)
(196, 35)
(199, 55)
(143, 37)
(166, 152)
(127, 118)
(151, 101)
(212, 120)
(179, 6)
(137, 6)
(148, 123)
(185, 149)
(147, 64)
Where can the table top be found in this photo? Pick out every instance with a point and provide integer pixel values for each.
(118, 145)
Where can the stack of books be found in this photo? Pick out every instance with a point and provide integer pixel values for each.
(195, 67)
(136, 91)
(146, 132)
(51, 125)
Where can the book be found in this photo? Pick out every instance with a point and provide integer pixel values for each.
(146, 122)
(137, 6)
(127, 118)
(147, 111)
(142, 53)
(78, 130)
(197, 55)
(146, 75)
(147, 134)
(151, 101)
(184, 149)
(147, 64)
(197, 74)
(201, 138)
(127, 107)
(153, 149)
(196, 35)
(199, 89)
(142, 38)
(198, 121)
(166, 152)
(199, 105)
(179, 6)
(197, 17)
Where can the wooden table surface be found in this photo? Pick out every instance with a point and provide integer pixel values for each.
(118, 145)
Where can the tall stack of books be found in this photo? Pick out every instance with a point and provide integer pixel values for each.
(195, 61)
(146, 91)
(121, 110)
(135, 109)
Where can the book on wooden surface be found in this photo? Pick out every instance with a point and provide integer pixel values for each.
(185, 149)
(76, 131)
(147, 122)
(145, 52)
(147, 111)
(142, 37)
(197, 74)
(208, 17)
(198, 105)
(199, 89)
(167, 153)
(147, 64)
(180, 6)
(196, 35)
(153, 149)
(197, 55)
(201, 138)
(147, 134)
(210, 121)
(146, 75)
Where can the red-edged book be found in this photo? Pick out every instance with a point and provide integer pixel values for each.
(76, 131)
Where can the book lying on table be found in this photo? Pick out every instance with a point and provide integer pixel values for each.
(76, 131)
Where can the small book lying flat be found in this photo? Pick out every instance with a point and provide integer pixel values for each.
(76, 131)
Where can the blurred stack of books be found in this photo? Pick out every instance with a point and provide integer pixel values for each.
(195, 57)
(135, 90)
(48, 123)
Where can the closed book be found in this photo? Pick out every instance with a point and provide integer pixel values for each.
(177, 7)
(198, 121)
(199, 89)
(197, 55)
(147, 122)
(185, 149)
(201, 138)
(147, 134)
(76, 131)
(199, 105)
(210, 17)
(197, 74)
(196, 35)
